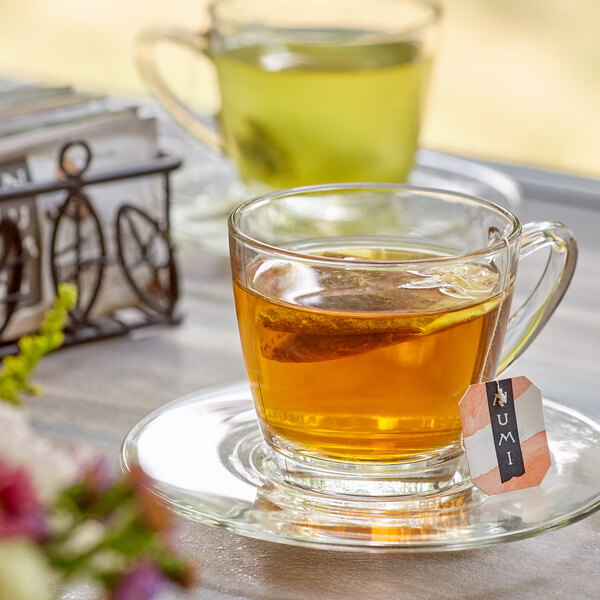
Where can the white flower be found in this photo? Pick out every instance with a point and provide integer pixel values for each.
(49, 468)
(24, 572)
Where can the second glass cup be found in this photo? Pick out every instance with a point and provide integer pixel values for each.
(366, 310)
(311, 91)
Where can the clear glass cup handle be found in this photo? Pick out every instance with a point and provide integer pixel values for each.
(529, 319)
(145, 57)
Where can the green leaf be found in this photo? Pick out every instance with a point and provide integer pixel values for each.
(16, 371)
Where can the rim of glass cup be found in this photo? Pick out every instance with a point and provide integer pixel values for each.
(238, 234)
(433, 7)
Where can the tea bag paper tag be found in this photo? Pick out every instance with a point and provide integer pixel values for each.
(504, 435)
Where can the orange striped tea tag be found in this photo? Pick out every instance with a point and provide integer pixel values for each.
(504, 435)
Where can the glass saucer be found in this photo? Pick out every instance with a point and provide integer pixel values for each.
(208, 189)
(206, 459)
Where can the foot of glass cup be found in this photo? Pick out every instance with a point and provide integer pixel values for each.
(442, 473)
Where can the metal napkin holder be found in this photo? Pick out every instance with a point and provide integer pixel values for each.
(143, 245)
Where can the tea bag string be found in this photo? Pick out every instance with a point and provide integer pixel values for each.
(504, 241)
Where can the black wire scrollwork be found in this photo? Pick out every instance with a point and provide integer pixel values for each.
(147, 259)
(79, 252)
(11, 270)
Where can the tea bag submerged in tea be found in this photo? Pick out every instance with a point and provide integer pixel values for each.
(302, 348)
(337, 314)
(264, 154)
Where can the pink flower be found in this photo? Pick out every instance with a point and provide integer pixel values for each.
(143, 582)
(95, 479)
(21, 513)
(97, 476)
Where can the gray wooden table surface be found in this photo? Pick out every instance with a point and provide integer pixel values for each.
(96, 393)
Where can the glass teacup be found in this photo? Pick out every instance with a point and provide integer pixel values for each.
(365, 312)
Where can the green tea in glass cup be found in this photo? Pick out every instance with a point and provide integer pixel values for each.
(311, 91)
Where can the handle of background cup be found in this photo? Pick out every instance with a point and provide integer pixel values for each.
(185, 116)
(530, 318)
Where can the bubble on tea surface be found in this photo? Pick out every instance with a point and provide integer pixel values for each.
(467, 281)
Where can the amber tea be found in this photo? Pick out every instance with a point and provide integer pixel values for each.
(364, 365)
(325, 106)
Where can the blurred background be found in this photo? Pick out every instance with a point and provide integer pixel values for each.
(515, 81)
